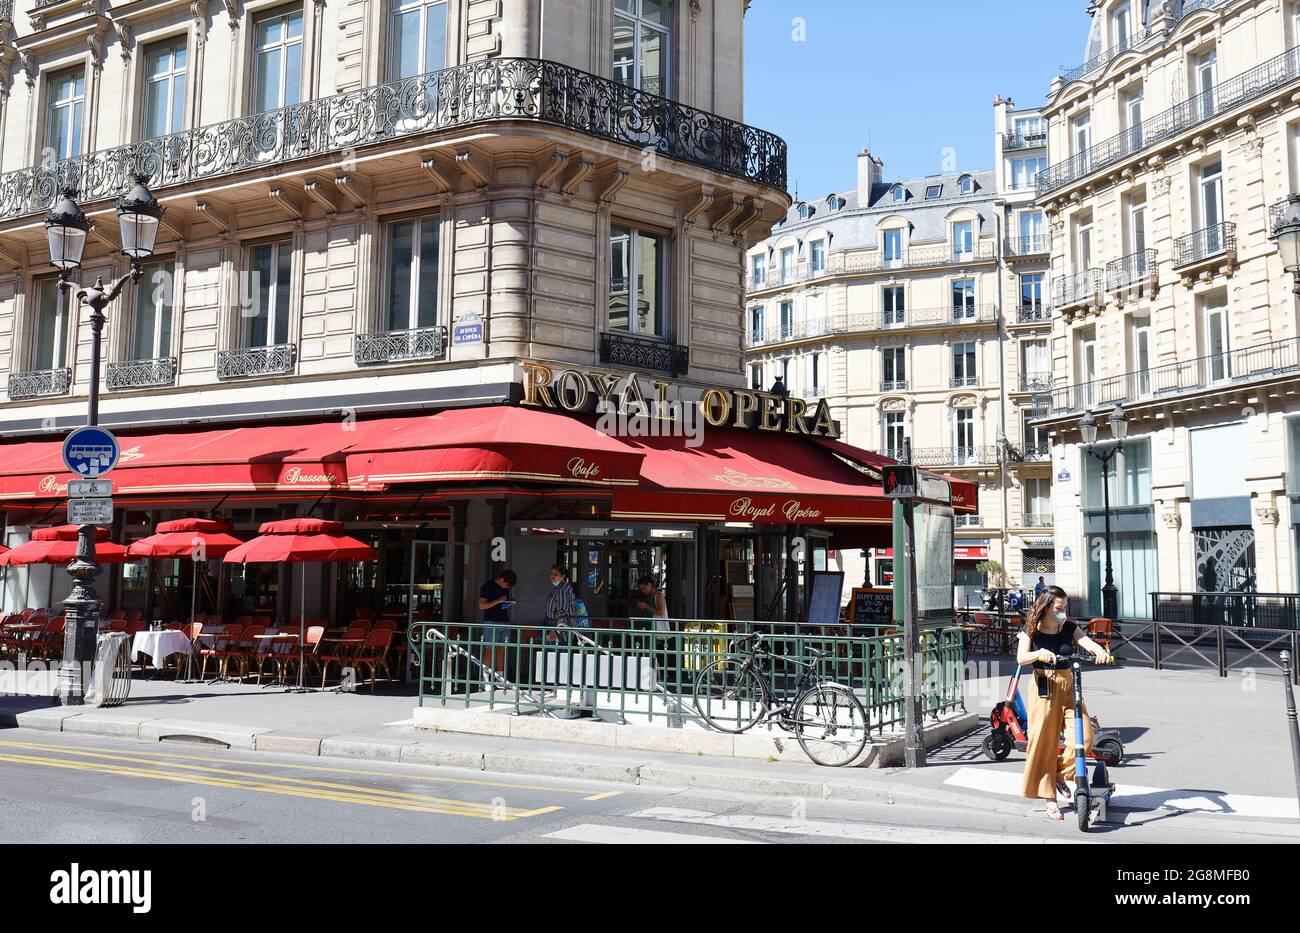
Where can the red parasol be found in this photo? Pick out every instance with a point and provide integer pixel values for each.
(301, 541)
(58, 545)
(186, 537)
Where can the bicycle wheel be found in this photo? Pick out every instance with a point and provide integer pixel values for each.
(830, 724)
(729, 695)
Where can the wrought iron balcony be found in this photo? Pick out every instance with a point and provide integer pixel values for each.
(140, 374)
(6, 11)
(1036, 520)
(1024, 140)
(248, 362)
(967, 520)
(1028, 245)
(801, 330)
(476, 93)
(1227, 95)
(39, 382)
(916, 317)
(1036, 452)
(1205, 244)
(893, 385)
(954, 456)
(1191, 6)
(958, 382)
(918, 257)
(644, 354)
(1218, 371)
(815, 392)
(1035, 382)
(1077, 288)
(1133, 269)
(394, 346)
(1033, 314)
(1105, 58)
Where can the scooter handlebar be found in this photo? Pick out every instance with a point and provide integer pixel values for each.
(1084, 658)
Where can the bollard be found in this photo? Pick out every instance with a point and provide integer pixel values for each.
(1291, 720)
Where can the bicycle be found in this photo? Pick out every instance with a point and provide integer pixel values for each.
(732, 694)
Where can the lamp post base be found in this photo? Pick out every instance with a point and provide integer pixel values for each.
(1110, 601)
(79, 631)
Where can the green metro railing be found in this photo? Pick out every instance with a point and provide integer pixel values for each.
(631, 671)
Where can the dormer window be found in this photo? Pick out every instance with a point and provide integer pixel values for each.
(806, 211)
(834, 203)
(966, 184)
(899, 193)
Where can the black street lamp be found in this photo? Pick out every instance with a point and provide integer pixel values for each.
(138, 215)
(1286, 231)
(1104, 452)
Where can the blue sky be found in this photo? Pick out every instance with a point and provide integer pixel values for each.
(910, 78)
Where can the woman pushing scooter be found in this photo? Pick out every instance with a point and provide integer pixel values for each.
(1047, 635)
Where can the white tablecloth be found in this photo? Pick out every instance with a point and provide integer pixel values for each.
(159, 645)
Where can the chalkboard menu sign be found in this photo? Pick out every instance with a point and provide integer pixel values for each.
(872, 607)
(824, 603)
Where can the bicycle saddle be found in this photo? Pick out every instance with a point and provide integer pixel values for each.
(817, 652)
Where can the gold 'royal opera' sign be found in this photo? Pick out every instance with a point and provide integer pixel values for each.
(583, 390)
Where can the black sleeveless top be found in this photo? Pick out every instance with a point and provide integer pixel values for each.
(1059, 643)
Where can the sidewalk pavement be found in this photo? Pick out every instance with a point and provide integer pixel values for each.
(1196, 731)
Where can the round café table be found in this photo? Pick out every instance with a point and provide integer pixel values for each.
(159, 645)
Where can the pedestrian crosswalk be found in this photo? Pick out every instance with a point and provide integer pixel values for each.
(1136, 797)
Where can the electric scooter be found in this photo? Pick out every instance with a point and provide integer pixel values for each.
(1010, 722)
(1090, 797)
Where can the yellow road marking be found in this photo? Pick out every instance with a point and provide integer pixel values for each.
(262, 787)
(607, 794)
(306, 767)
(280, 780)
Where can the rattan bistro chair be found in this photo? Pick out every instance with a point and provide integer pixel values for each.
(374, 654)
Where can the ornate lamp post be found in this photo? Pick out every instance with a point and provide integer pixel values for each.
(1104, 452)
(138, 214)
(1287, 234)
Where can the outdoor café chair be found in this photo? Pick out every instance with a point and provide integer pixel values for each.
(245, 649)
(1101, 631)
(340, 653)
(983, 635)
(384, 625)
(219, 651)
(310, 650)
(374, 654)
(50, 641)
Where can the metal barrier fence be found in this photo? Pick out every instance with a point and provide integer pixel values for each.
(632, 671)
(1187, 645)
(1245, 610)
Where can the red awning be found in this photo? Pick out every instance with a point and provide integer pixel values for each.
(749, 476)
(502, 442)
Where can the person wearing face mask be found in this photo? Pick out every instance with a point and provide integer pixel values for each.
(563, 604)
(1047, 634)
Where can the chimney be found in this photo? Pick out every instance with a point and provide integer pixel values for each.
(871, 172)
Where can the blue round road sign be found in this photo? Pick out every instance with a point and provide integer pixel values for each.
(90, 452)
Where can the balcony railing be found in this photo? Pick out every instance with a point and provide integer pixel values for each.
(39, 382)
(6, 11)
(1223, 97)
(802, 330)
(1105, 58)
(959, 382)
(1028, 245)
(893, 385)
(140, 374)
(1205, 244)
(394, 346)
(1077, 288)
(1035, 452)
(1035, 382)
(815, 392)
(968, 521)
(1033, 314)
(249, 362)
(936, 254)
(1130, 270)
(1217, 370)
(479, 92)
(1191, 6)
(954, 456)
(644, 354)
(917, 317)
(1036, 520)
(1024, 140)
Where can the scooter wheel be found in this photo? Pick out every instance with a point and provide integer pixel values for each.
(997, 745)
(1110, 749)
(1082, 809)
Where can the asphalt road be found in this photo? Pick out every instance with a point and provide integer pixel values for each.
(70, 789)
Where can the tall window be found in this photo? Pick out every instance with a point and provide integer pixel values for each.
(1135, 222)
(66, 108)
(1025, 171)
(1035, 439)
(893, 246)
(1205, 69)
(816, 374)
(817, 256)
(411, 298)
(756, 324)
(418, 40)
(642, 29)
(963, 433)
(1215, 338)
(1035, 365)
(1131, 109)
(963, 364)
(894, 304)
(756, 376)
(151, 331)
(1087, 363)
(1083, 243)
(1031, 292)
(893, 373)
(53, 321)
(264, 316)
(787, 264)
(164, 88)
(757, 268)
(895, 431)
(637, 261)
(1037, 494)
(1211, 196)
(963, 239)
(1121, 26)
(1081, 134)
(1031, 230)
(277, 60)
(1141, 349)
(963, 299)
(787, 320)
